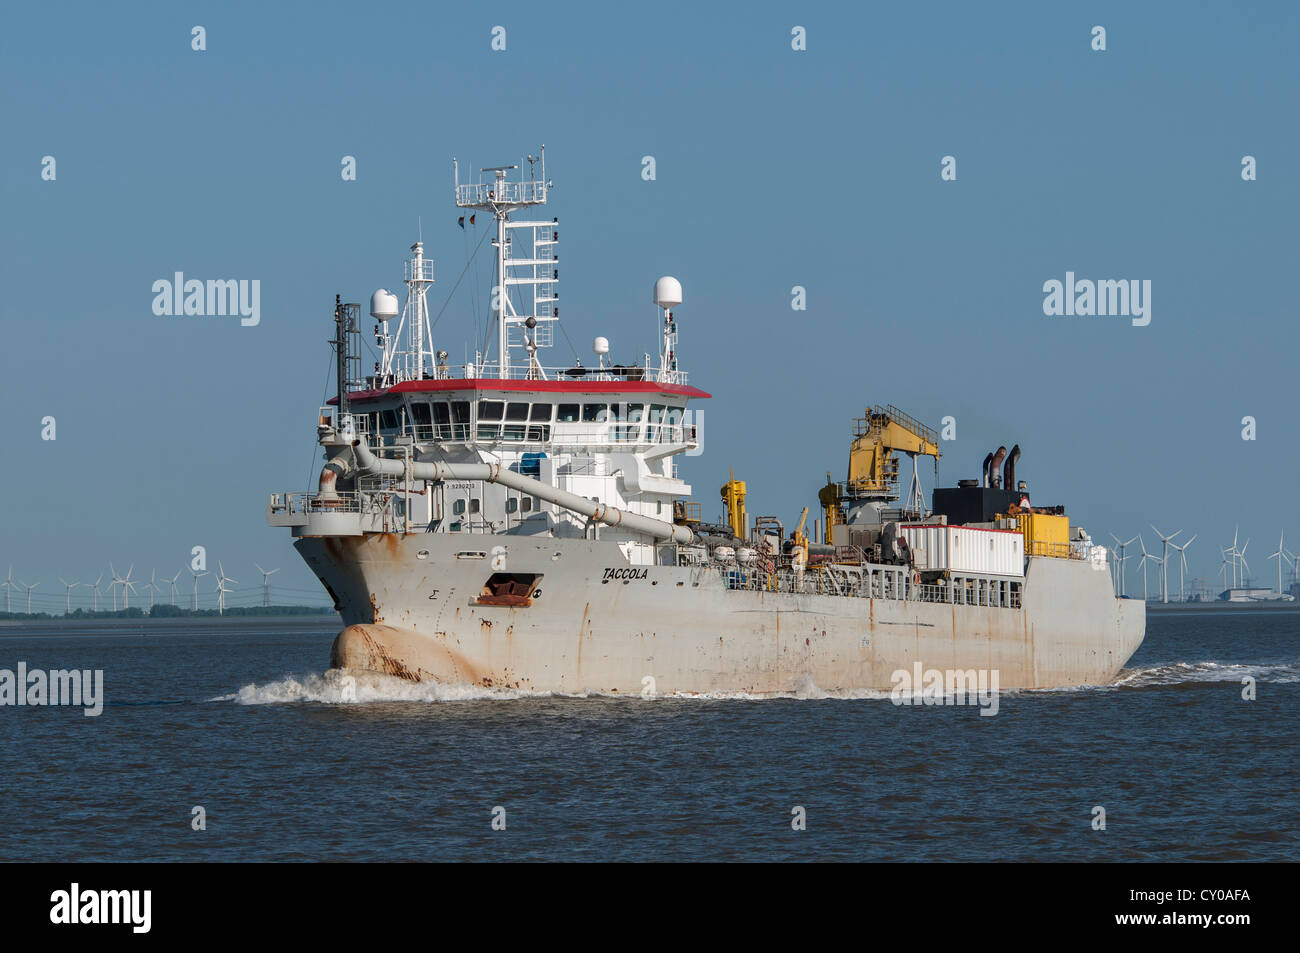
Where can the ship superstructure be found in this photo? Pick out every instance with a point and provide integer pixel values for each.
(506, 522)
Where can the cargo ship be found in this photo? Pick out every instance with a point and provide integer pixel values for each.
(507, 523)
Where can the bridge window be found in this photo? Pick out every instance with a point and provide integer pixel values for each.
(568, 414)
(441, 421)
(490, 409)
(460, 420)
(656, 416)
(516, 411)
(541, 412)
(595, 413)
(420, 412)
(388, 419)
(632, 414)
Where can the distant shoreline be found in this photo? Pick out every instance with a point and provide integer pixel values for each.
(73, 624)
(1218, 606)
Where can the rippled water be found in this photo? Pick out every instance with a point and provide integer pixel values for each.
(290, 762)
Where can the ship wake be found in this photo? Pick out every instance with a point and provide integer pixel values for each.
(339, 687)
(1180, 674)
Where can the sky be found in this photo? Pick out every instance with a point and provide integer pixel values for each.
(774, 168)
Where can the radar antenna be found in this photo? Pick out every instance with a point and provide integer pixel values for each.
(518, 326)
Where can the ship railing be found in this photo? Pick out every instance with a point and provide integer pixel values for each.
(1038, 547)
(631, 373)
(892, 583)
(479, 194)
(381, 510)
(524, 436)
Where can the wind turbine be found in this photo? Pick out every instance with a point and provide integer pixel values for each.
(1279, 556)
(1123, 589)
(266, 589)
(1182, 564)
(94, 590)
(222, 579)
(172, 582)
(29, 589)
(70, 586)
(9, 585)
(196, 586)
(152, 586)
(1231, 554)
(1142, 564)
(128, 587)
(1245, 566)
(1164, 562)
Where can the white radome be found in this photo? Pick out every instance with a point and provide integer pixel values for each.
(383, 305)
(668, 292)
(600, 345)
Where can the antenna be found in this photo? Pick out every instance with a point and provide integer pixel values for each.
(537, 268)
(668, 295)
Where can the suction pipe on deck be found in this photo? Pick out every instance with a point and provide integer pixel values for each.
(337, 468)
(984, 474)
(496, 473)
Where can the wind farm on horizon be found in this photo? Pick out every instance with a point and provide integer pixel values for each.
(113, 593)
(1238, 584)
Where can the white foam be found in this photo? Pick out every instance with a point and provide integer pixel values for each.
(1191, 672)
(338, 687)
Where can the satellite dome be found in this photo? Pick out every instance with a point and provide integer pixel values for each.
(668, 292)
(383, 305)
(600, 345)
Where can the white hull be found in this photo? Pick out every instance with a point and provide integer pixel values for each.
(419, 618)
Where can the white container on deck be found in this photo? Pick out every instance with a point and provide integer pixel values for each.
(962, 549)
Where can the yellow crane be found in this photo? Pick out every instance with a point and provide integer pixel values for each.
(873, 467)
(733, 498)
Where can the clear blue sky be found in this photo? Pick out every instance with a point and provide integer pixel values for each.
(775, 168)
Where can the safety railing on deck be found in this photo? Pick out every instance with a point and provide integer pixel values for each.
(858, 579)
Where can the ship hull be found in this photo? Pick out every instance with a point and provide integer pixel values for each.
(410, 604)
